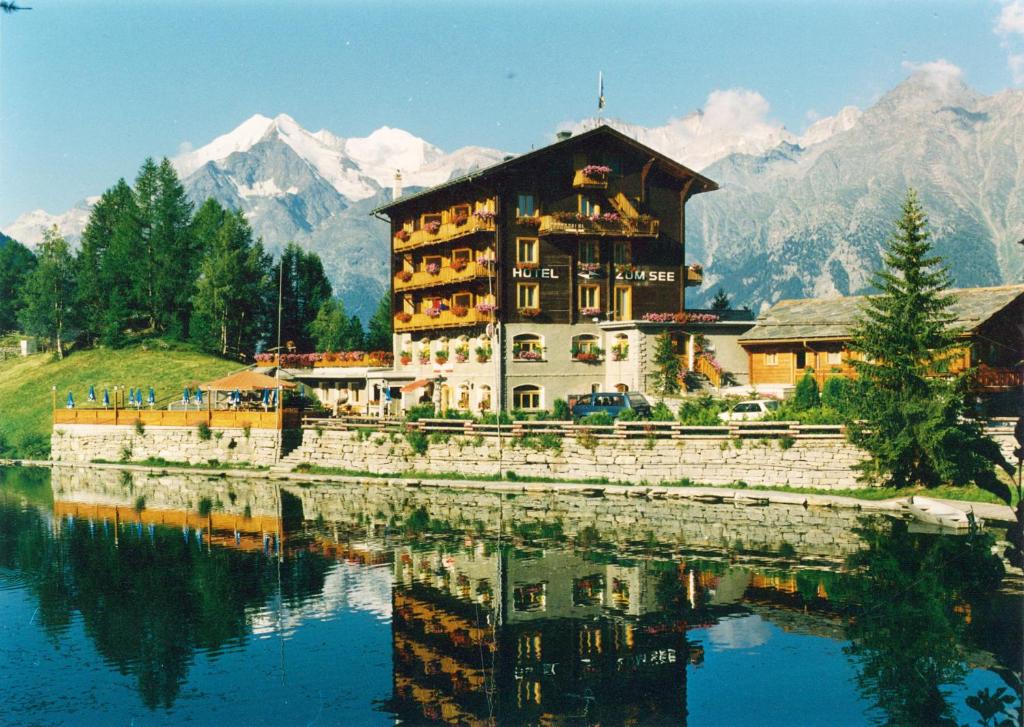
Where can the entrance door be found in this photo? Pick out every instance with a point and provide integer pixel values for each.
(623, 303)
(801, 360)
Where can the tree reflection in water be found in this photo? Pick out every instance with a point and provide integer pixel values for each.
(149, 600)
(909, 629)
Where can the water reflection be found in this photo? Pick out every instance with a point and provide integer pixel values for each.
(538, 623)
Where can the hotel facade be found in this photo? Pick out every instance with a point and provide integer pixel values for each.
(547, 275)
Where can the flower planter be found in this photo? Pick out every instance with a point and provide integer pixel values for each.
(460, 311)
(529, 312)
(405, 276)
(432, 227)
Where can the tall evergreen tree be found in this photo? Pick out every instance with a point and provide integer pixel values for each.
(666, 365)
(378, 333)
(721, 300)
(175, 252)
(912, 409)
(304, 289)
(147, 187)
(48, 293)
(16, 263)
(356, 334)
(231, 302)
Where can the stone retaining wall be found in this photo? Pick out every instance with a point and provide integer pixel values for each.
(88, 442)
(819, 463)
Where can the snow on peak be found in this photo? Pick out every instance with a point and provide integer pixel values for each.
(829, 126)
(242, 138)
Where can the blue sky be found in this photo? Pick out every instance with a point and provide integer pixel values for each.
(88, 89)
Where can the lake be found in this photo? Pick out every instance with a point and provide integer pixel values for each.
(134, 598)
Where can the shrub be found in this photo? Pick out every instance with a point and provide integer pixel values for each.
(703, 411)
(140, 429)
(587, 440)
(628, 415)
(597, 419)
(33, 445)
(438, 438)
(205, 506)
(786, 442)
(247, 429)
(203, 430)
(806, 394)
(661, 413)
(493, 418)
(839, 393)
(560, 410)
(417, 441)
(126, 454)
(420, 411)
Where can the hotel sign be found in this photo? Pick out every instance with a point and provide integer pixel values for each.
(535, 273)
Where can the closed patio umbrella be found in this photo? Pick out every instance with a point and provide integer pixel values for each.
(92, 394)
(131, 397)
(71, 401)
(199, 396)
(186, 396)
(152, 397)
(106, 398)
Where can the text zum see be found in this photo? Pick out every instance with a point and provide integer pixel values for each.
(655, 276)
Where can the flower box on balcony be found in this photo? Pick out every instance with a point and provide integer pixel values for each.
(486, 308)
(405, 276)
(531, 221)
(459, 264)
(589, 267)
(402, 236)
(483, 354)
(460, 311)
(527, 266)
(432, 227)
(462, 353)
(404, 317)
(405, 357)
(590, 312)
(433, 269)
(485, 215)
(620, 352)
(432, 312)
(460, 220)
(424, 357)
(527, 355)
(529, 312)
(441, 357)
(587, 355)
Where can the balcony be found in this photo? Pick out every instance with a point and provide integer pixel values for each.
(447, 231)
(446, 276)
(694, 275)
(583, 180)
(579, 225)
(444, 319)
(993, 378)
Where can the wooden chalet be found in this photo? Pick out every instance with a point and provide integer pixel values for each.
(551, 245)
(794, 336)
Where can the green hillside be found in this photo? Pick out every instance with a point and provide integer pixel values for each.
(26, 398)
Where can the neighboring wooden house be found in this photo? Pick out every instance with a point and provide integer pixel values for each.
(794, 336)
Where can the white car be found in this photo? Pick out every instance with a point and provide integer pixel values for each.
(749, 411)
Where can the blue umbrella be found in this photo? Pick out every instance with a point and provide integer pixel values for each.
(71, 401)
(273, 398)
(131, 397)
(106, 398)
(238, 397)
(138, 396)
(152, 397)
(92, 394)
(265, 399)
(199, 396)
(186, 396)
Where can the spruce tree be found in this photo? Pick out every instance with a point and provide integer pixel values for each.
(805, 396)
(329, 329)
(721, 301)
(48, 294)
(666, 365)
(304, 289)
(912, 407)
(147, 186)
(378, 333)
(16, 263)
(175, 252)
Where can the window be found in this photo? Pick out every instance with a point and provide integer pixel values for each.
(590, 251)
(771, 359)
(460, 211)
(590, 298)
(834, 358)
(484, 398)
(588, 207)
(428, 219)
(623, 253)
(623, 303)
(527, 295)
(585, 342)
(526, 205)
(432, 264)
(463, 253)
(464, 300)
(527, 251)
(527, 347)
(527, 397)
(588, 591)
(801, 359)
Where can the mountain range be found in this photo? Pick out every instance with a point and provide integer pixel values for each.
(796, 215)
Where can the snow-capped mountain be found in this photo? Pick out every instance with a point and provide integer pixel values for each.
(797, 214)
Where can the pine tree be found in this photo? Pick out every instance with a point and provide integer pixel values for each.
(304, 289)
(175, 252)
(48, 294)
(666, 363)
(16, 263)
(329, 329)
(913, 428)
(378, 333)
(356, 336)
(721, 301)
(805, 396)
(147, 187)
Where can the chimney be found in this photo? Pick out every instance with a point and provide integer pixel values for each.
(563, 135)
(396, 190)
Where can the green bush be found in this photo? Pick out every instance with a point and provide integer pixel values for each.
(628, 415)
(203, 430)
(703, 411)
(493, 418)
(597, 419)
(561, 410)
(839, 393)
(140, 429)
(661, 413)
(458, 414)
(806, 394)
(33, 445)
(417, 441)
(420, 411)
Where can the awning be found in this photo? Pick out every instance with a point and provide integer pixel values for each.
(246, 381)
(417, 384)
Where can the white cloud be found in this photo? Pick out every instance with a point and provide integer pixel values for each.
(1011, 19)
(1010, 28)
(941, 73)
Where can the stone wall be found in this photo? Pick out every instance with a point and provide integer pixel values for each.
(819, 463)
(88, 442)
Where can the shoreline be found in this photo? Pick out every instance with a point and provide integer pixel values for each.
(750, 496)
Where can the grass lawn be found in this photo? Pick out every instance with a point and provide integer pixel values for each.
(26, 399)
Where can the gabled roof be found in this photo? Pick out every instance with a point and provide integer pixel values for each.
(245, 381)
(703, 184)
(833, 318)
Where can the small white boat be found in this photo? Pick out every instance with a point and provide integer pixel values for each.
(939, 513)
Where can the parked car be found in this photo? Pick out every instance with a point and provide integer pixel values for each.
(611, 402)
(750, 411)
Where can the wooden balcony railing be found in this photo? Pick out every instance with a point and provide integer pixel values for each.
(256, 419)
(582, 181)
(447, 231)
(990, 377)
(625, 227)
(694, 275)
(446, 276)
(444, 319)
(702, 366)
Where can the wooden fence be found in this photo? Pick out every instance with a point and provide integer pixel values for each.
(222, 418)
(618, 430)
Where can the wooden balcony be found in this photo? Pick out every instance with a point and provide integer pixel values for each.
(256, 419)
(694, 275)
(582, 181)
(991, 378)
(448, 231)
(446, 276)
(444, 319)
(625, 227)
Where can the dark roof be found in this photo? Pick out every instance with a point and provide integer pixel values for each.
(833, 318)
(668, 164)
